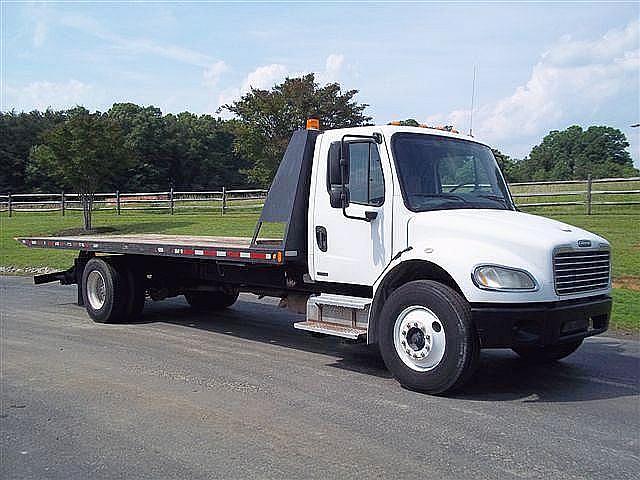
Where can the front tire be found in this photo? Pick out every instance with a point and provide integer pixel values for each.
(549, 353)
(105, 291)
(427, 337)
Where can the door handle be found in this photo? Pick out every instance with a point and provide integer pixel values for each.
(321, 238)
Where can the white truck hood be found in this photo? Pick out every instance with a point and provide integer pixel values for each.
(459, 240)
(502, 226)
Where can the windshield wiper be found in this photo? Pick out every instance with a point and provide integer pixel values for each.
(490, 196)
(448, 196)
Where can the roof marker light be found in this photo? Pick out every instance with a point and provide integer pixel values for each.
(313, 124)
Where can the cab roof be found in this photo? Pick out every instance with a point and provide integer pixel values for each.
(389, 130)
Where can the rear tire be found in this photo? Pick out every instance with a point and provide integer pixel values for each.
(427, 338)
(550, 353)
(137, 293)
(208, 301)
(105, 291)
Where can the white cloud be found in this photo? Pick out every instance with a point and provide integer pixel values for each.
(213, 69)
(332, 69)
(266, 76)
(572, 81)
(137, 45)
(213, 72)
(262, 78)
(42, 95)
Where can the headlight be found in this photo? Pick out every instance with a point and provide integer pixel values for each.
(494, 277)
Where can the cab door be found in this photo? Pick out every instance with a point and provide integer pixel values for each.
(347, 249)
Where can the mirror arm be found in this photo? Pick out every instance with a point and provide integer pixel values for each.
(368, 216)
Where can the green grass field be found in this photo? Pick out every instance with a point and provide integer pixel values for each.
(622, 230)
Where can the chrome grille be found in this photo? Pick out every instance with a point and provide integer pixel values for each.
(581, 271)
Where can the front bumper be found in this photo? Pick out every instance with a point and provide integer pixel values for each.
(540, 324)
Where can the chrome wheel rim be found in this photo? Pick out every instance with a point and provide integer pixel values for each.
(419, 338)
(96, 289)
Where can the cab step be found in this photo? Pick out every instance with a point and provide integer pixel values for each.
(332, 329)
(338, 315)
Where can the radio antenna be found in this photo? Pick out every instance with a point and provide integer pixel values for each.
(473, 101)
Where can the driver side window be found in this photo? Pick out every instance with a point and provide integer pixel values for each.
(366, 182)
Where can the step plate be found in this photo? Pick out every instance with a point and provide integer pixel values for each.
(358, 303)
(331, 329)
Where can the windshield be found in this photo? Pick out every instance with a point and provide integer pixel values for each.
(438, 173)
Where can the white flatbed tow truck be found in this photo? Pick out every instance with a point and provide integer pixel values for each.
(404, 237)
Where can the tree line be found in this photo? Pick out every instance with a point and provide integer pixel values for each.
(136, 148)
(129, 147)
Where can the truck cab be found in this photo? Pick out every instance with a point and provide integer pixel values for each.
(426, 205)
(404, 237)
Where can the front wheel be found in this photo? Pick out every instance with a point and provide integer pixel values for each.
(549, 353)
(427, 338)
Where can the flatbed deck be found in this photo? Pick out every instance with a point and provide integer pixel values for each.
(219, 248)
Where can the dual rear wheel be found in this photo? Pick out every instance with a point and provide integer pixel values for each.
(112, 290)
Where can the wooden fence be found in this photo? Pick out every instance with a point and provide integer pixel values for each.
(222, 200)
(582, 194)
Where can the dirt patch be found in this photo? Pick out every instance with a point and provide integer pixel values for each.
(13, 270)
(79, 231)
(627, 281)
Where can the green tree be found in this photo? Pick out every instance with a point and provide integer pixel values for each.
(19, 132)
(510, 167)
(574, 153)
(204, 152)
(267, 118)
(145, 135)
(85, 153)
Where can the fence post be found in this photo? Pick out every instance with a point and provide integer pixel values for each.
(62, 205)
(10, 204)
(117, 202)
(589, 184)
(224, 199)
(171, 200)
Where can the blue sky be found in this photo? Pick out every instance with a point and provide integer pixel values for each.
(541, 66)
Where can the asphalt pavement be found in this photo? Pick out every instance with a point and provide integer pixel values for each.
(241, 394)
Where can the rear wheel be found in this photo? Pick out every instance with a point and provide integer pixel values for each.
(549, 353)
(137, 293)
(427, 338)
(207, 301)
(105, 290)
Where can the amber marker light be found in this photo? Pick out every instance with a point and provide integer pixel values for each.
(313, 124)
